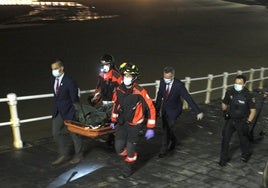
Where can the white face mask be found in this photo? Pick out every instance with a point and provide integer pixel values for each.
(56, 72)
(167, 81)
(238, 87)
(127, 81)
(105, 68)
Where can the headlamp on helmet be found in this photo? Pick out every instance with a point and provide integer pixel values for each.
(106, 59)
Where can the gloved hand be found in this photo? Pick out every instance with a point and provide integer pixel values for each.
(250, 125)
(149, 134)
(226, 115)
(112, 125)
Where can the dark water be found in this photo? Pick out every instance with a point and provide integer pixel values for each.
(196, 37)
(195, 40)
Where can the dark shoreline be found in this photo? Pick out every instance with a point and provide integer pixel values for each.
(12, 11)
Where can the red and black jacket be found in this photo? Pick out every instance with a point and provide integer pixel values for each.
(133, 106)
(107, 83)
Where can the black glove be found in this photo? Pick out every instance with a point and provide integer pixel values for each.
(226, 115)
(249, 125)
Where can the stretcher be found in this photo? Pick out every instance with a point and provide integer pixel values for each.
(88, 130)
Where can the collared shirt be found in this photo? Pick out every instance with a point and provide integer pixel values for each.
(168, 86)
(55, 83)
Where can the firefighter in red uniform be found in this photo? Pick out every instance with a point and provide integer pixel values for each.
(108, 79)
(131, 108)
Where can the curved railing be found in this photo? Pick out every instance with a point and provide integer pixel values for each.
(211, 84)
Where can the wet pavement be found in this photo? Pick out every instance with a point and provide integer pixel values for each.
(192, 164)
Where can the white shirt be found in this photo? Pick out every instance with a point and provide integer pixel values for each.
(55, 83)
(168, 86)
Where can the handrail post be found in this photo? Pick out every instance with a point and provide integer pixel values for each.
(209, 90)
(251, 77)
(239, 72)
(187, 86)
(157, 85)
(79, 93)
(14, 119)
(224, 84)
(261, 78)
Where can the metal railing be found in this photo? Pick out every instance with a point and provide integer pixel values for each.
(222, 85)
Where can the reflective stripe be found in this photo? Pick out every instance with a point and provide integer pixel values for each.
(107, 102)
(114, 115)
(131, 159)
(123, 153)
(140, 121)
(151, 121)
(96, 94)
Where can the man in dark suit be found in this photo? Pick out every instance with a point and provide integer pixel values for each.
(66, 95)
(169, 99)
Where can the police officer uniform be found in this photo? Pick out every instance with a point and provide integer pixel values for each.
(239, 106)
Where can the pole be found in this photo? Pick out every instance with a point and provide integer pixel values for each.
(14, 119)
(209, 86)
(187, 86)
(224, 84)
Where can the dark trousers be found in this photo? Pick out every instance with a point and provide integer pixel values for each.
(168, 133)
(230, 127)
(127, 136)
(63, 140)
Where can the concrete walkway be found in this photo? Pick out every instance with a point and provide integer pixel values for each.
(192, 164)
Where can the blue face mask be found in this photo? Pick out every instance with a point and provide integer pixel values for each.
(167, 81)
(56, 72)
(238, 87)
(127, 81)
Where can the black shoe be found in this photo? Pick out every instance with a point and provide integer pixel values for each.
(245, 158)
(162, 155)
(172, 145)
(222, 163)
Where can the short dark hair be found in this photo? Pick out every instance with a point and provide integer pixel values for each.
(58, 61)
(169, 69)
(241, 77)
